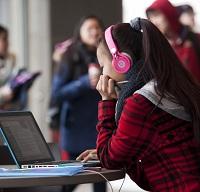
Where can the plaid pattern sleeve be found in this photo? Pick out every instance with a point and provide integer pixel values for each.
(157, 149)
(115, 145)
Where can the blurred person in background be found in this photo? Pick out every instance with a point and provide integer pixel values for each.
(185, 42)
(7, 68)
(14, 82)
(186, 15)
(74, 93)
(55, 109)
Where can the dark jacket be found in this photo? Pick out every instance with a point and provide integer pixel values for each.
(71, 89)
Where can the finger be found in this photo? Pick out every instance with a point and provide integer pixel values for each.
(111, 86)
(105, 83)
(99, 84)
(83, 155)
(90, 156)
(94, 156)
(87, 158)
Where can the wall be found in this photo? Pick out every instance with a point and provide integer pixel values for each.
(66, 14)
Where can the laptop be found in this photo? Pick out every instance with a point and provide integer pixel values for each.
(27, 145)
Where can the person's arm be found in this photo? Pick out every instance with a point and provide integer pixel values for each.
(73, 89)
(64, 90)
(122, 146)
(5, 94)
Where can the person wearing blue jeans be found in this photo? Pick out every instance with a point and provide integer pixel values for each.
(73, 90)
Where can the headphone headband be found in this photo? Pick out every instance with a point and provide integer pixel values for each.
(109, 40)
(121, 61)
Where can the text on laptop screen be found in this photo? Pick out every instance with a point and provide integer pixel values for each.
(24, 138)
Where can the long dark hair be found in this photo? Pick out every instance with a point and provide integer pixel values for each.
(3, 30)
(154, 58)
(76, 34)
(78, 50)
(76, 38)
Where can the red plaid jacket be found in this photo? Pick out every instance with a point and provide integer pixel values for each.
(157, 149)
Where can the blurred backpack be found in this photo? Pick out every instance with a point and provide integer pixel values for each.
(22, 80)
(20, 84)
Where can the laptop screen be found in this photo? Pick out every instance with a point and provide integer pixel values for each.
(24, 138)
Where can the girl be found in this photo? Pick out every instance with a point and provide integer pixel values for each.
(73, 91)
(153, 129)
(7, 70)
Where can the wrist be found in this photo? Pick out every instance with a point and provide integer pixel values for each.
(107, 98)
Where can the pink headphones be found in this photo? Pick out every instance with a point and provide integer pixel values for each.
(121, 61)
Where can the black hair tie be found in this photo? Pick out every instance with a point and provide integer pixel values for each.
(135, 24)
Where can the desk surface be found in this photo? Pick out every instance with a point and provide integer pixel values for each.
(87, 177)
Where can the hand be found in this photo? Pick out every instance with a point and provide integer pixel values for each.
(93, 81)
(106, 88)
(90, 154)
(94, 74)
(6, 93)
(57, 56)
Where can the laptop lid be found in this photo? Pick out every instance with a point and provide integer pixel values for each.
(24, 138)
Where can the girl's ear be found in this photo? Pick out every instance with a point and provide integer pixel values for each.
(122, 62)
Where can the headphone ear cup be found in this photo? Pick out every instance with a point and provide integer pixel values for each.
(122, 63)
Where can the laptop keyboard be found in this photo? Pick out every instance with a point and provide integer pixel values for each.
(58, 162)
(93, 163)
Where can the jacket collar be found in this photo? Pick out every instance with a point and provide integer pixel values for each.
(149, 92)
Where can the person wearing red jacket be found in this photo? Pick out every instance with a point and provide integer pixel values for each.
(186, 43)
(150, 125)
